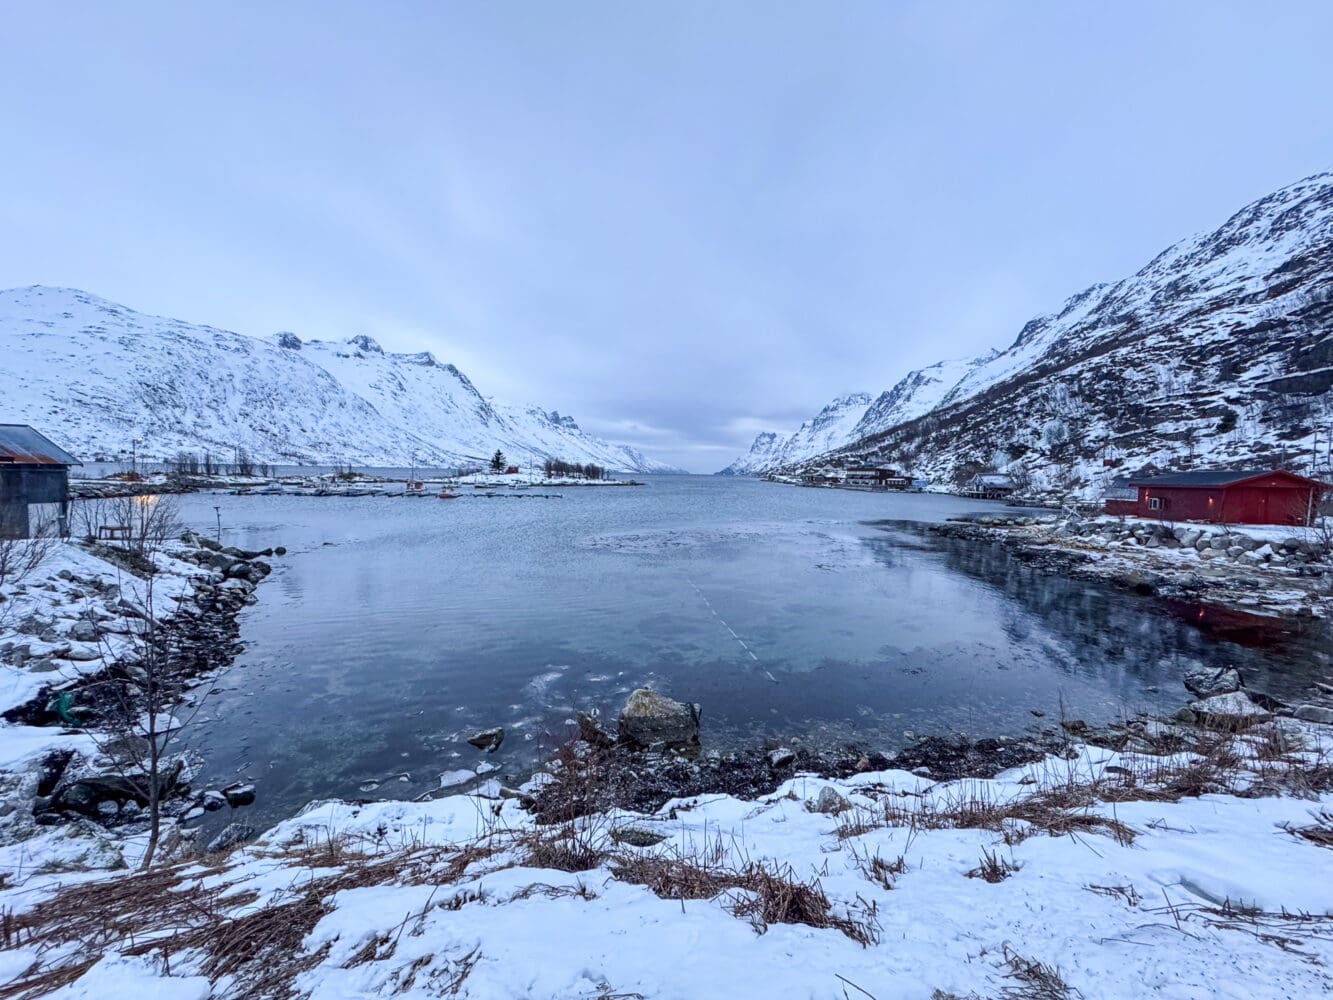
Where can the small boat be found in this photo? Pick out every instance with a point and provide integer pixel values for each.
(446, 495)
(414, 488)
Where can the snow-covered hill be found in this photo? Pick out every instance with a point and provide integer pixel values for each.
(1218, 352)
(95, 375)
(830, 428)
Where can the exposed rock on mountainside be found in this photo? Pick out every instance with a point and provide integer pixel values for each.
(99, 375)
(1218, 351)
(828, 429)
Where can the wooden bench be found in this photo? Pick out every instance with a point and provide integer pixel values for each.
(114, 531)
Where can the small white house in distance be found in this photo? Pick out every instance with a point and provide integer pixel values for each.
(989, 486)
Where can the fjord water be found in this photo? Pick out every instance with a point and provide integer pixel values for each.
(394, 628)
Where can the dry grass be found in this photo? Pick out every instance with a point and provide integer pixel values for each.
(1033, 980)
(878, 869)
(993, 868)
(1076, 799)
(169, 914)
(752, 891)
(1320, 832)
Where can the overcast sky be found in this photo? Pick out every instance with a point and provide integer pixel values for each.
(681, 223)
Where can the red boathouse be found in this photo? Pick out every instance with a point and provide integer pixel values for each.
(1225, 496)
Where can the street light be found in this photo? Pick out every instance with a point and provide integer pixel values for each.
(134, 453)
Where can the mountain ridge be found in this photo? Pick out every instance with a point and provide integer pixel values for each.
(1218, 350)
(98, 375)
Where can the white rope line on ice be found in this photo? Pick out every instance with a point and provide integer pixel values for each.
(723, 622)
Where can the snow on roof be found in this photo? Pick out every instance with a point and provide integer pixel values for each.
(1211, 477)
(22, 444)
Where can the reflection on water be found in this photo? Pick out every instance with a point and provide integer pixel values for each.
(396, 627)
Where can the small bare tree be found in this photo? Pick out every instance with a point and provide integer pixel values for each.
(137, 700)
(19, 557)
(138, 696)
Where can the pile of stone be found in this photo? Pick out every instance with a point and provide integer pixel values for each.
(1211, 543)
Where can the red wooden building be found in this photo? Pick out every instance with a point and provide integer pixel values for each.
(1225, 496)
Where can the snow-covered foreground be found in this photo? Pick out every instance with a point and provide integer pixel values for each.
(1111, 873)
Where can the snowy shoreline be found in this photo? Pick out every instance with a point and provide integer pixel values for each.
(1110, 874)
(1265, 570)
(71, 635)
(1147, 857)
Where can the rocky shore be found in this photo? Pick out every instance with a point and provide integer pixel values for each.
(80, 639)
(1260, 570)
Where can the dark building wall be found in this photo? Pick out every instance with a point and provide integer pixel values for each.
(33, 483)
(25, 485)
(14, 520)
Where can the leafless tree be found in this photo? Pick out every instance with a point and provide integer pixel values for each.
(138, 699)
(19, 557)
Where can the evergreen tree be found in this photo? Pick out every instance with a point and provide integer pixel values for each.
(498, 461)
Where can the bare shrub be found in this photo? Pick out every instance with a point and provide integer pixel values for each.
(1320, 832)
(1036, 980)
(752, 891)
(993, 868)
(569, 849)
(884, 872)
(20, 557)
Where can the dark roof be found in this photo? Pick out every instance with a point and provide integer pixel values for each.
(1212, 477)
(21, 444)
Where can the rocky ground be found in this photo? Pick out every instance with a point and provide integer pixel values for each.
(84, 640)
(1262, 570)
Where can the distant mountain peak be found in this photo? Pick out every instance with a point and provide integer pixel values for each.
(180, 387)
(1217, 351)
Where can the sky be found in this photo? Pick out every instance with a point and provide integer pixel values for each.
(681, 223)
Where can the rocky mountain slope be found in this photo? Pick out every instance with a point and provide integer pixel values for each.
(95, 375)
(1219, 351)
(830, 428)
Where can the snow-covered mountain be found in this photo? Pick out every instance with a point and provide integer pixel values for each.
(1219, 351)
(830, 428)
(96, 375)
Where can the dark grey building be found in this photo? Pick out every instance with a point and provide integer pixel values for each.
(34, 483)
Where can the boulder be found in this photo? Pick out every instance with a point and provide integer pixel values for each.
(239, 794)
(232, 835)
(488, 739)
(830, 802)
(781, 757)
(650, 719)
(212, 801)
(1206, 681)
(1229, 712)
(1314, 713)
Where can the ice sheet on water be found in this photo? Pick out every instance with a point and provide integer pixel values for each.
(541, 684)
(664, 541)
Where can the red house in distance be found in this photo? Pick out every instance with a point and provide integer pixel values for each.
(1225, 496)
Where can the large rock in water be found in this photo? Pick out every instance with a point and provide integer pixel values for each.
(1230, 712)
(1206, 681)
(650, 719)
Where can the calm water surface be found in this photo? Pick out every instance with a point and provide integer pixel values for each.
(396, 627)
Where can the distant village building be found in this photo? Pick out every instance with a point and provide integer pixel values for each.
(1228, 496)
(827, 476)
(34, 483)
(989, 486)
(867, 477)
(1120, 498)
